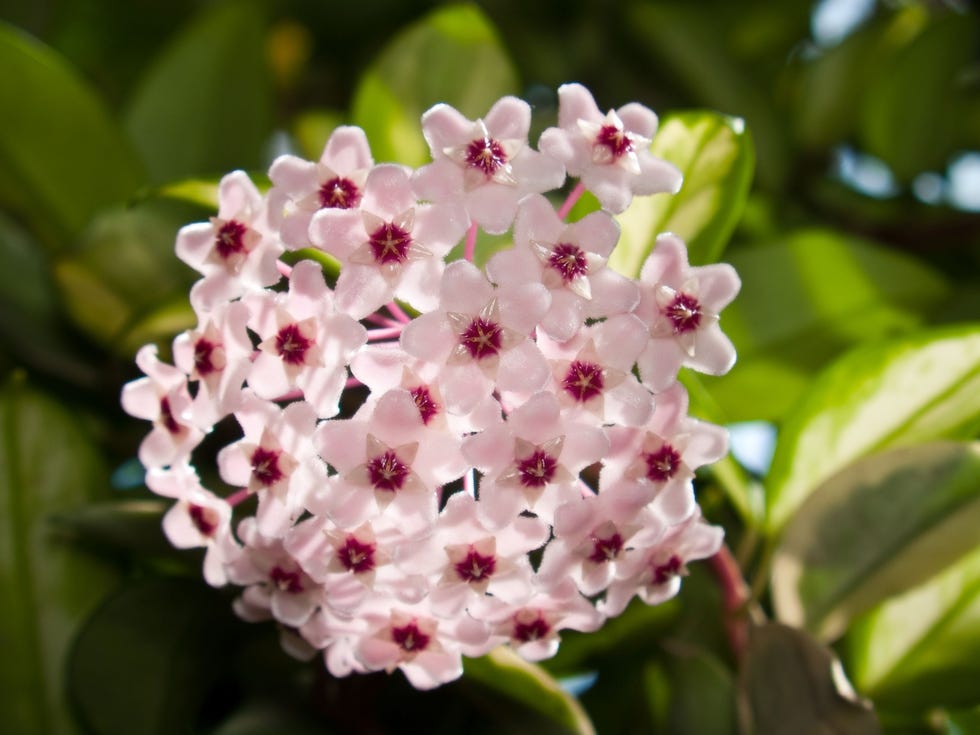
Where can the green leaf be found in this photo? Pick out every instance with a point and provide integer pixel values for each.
(124, 286)
(205, 106)
(128, 525)
(805, 298)
(509, 675)
(144, 661)
(700, 692)
(715, 154)
(919, 649)
(62, 157)
(876, 528)
(911, 110)
(47, 586)
(908, 390)
(454, 56)
(791, 685)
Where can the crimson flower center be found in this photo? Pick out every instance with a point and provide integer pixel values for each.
(486, 155)
(424, 403)
(482, 338)
(569, 261)
(265, 466)
(286, 580)
(167, 417)
(205, 520)
(475, 567)
(291, 345)
(409, 638)
(615, 139)
(387, 472)
(389, 244)
(684, 313)
(583, 380)
(355, 556)
(203, 357)
(339, 193)
(230, 239)
(662, 464)
(526, 632)
(606, 549)
(538, 469)
(663, 573)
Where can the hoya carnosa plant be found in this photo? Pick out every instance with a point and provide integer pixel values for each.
(529, 410)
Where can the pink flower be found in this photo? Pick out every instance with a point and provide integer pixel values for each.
(680, 306)
(237, 250)
(485, 165)
(336, 181)
(610, 153)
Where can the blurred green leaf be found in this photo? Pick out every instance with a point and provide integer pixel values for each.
(697, 48)
(127, 525)
(700, 692)
(124, 286)
(205, 106)
(270, 718)
(202, 192)
(312, 129)
(144, 661)
(919, 650)
(511, 676)
(907, 390)
(31, 329)
(963, 723)
(454, 56)
(47, 586)
(876, 528)
(791, 685)
(55, 137)
(715, 154)
(805, 298)
(910, 113)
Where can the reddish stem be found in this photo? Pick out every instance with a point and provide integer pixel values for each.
(284, 268)
(469, 249)
(573, 196)
(735, 597)
(237, 497)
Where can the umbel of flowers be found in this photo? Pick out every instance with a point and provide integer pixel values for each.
(518, 460)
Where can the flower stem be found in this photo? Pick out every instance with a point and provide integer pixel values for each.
(735, 598)
(573, 196)
(284, 268)
(398, 313)
(237, 497)
(469, 249)
(375, 335)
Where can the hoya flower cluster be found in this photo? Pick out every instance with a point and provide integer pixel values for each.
(513, 461)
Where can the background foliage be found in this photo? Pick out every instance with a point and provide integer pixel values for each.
(858, 331)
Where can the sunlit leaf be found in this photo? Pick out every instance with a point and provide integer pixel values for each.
(144, 661)
(919, 650)
(62, 157)
(805, 298)
(790, 685)
(509, 675)
(716, 156)
(205, 106)
(124, 286)
(876, 528)
(451, 56)
(908, 390)
(47, 585)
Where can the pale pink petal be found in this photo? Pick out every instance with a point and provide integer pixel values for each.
(656, 176)
(523, 369)
(597, 232)
(638, 119)
(347, 150)
(361, 290)
(718, 284)
(537, 172)
(439, 181)
(714, 353)
(444, 127)
(388, 191)
(296, 176)
(493, 206)
(575, 102)
(464, 288)
(611, 294)
(429, 336)
(509, 118)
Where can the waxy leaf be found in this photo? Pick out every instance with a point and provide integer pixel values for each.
(62, 157)
(919, 649)
(144, 661)
(124, 286)
(47, 585)
(691, 691)
(805, 298)
(716, 157)
(916, 388)
(876, 528)
(451, 56)
(509, 675)
(791, 685)
(205, 107)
